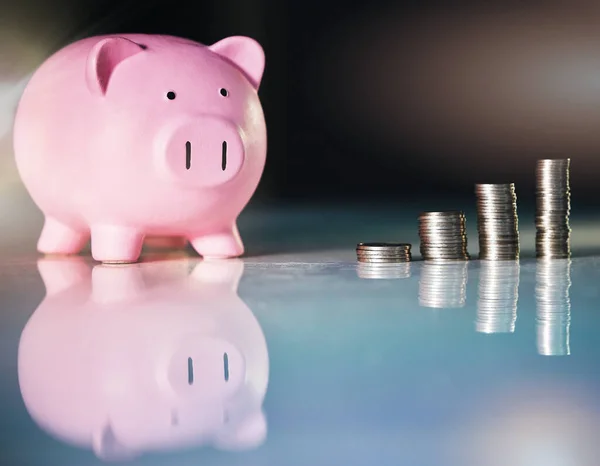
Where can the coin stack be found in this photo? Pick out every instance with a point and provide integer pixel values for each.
(497, 221)
(443, 285)
(498, 297)
(383, 253)
(553, 206)
(443, 236)
(553, 307)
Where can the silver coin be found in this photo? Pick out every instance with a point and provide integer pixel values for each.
(382, 253)
(384, 261)
(380, 246)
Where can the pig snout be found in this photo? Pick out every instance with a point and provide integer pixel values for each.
(207, 151)
(207, 368)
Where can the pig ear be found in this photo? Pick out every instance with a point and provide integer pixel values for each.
(245, 53)
(104, 58)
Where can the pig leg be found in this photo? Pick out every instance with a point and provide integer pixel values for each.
(116, 244)
(58, 238)
(219, 244)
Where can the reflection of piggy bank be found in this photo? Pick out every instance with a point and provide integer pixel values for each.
(118, 137)
(145, 357)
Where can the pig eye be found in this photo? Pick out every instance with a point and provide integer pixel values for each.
(171, 95)
(224, 92)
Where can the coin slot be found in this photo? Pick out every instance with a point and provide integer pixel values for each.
(224, 156)
(188, 155)
(226, 367)
(190, 371)
(174, 418)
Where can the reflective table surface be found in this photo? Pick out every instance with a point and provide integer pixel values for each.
(299, 358)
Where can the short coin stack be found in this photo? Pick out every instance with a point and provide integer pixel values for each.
(383, 253)
(497, 221)
(443, 236)
(553, 206)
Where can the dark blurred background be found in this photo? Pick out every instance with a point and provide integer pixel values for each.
(372, 100)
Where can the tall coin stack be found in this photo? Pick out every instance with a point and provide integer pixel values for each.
(553, 206)
(443, 236)
(497, 221)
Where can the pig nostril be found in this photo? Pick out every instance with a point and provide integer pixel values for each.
(188, 155)
(226, 366)
(224, 156)
(190, 371)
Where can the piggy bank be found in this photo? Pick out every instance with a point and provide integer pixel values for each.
(131, 359)
(121, 137)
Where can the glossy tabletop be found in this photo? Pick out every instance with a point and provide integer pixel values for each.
(297, 355)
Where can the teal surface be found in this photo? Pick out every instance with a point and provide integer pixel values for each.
(473, 363)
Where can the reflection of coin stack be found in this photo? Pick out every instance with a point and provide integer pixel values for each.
(498, 296)
(553, 280)
(383, 271)
(443, 285)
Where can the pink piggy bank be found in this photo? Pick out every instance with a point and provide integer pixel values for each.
(135, 359)
(122, 137)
